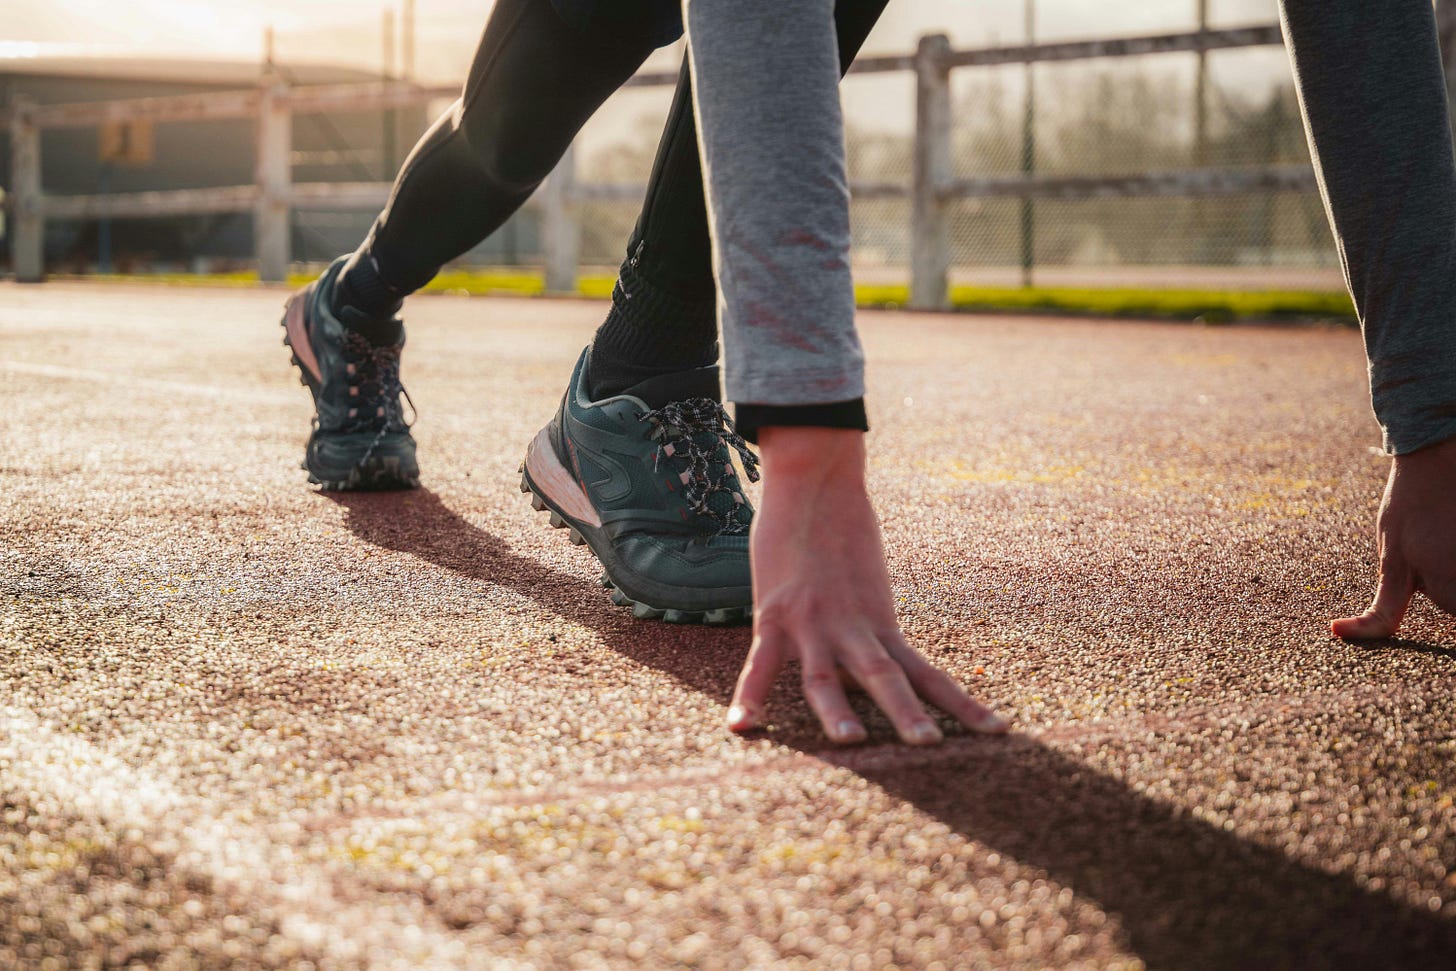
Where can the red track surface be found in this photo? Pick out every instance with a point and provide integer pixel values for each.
(246, 724)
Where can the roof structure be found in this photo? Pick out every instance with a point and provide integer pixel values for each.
(62, 61)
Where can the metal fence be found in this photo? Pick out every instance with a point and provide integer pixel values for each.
(962, 199)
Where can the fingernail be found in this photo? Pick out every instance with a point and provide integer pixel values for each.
(926, 732)
(992, 722)
(849, 730)
(738, 718)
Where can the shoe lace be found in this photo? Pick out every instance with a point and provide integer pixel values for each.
(699, 433)
(375, 391)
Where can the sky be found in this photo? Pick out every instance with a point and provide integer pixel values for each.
(350, 31)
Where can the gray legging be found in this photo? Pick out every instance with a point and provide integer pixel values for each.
(1374, 101)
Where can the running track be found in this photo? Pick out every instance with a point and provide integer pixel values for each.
(247, 724)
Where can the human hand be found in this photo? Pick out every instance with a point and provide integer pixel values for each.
(1416, 537)
(822, 596)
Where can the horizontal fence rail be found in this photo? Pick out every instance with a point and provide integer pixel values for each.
(1190, 183)
(274, 196)
(1080, 50)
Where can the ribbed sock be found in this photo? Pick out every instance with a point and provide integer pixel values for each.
(649, 332)
(365, 303)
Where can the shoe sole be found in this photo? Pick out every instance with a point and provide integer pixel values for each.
(376, 473)
(572, 510)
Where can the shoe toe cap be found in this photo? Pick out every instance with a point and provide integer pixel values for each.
(684, 572)
(365, 457)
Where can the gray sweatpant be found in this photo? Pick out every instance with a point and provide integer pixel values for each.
(1374, 101)
(766, 90)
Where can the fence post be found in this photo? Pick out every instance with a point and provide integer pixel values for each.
(274, 178)
(929, 230)
(27, 235)
(560, 226)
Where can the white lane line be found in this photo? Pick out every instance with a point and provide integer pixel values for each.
(65, 775)
(132, 379)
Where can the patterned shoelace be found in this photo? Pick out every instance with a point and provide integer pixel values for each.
(699, 432)
(374, 387)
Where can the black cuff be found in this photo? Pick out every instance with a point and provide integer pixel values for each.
(838, 414)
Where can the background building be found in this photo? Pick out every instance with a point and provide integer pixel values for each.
(349, 147)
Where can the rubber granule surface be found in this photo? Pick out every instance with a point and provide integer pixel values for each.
(246, 723)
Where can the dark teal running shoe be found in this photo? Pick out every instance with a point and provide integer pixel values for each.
(360, 438)
(646, 479)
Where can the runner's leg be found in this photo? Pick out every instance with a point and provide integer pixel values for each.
(534, 82)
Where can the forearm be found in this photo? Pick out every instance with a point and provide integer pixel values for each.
(1374, 100)
(771, 135)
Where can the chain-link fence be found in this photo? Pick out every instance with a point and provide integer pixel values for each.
(1142, 146)
(1125, 117)
(1106, 116)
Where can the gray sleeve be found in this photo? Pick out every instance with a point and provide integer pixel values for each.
(766, 92)
(1374, 101)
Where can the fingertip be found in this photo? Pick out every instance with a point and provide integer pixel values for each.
(923, 733)
(1366, 627)
(741, 719)
(848, 732)
(991, 724)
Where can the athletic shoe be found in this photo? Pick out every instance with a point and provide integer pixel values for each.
(646, 479)
(360, 438)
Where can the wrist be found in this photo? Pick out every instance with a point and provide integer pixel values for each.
(1431, 469)
(797, 455)
(1442, 451)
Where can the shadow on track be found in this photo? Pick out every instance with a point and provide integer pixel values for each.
(1187, 893)
(705, 659)
(1414, 647)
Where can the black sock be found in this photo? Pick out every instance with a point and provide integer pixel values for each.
(364, 302)
(649, 332)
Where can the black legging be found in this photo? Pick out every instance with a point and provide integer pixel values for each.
(534, 82)
(670, 242)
